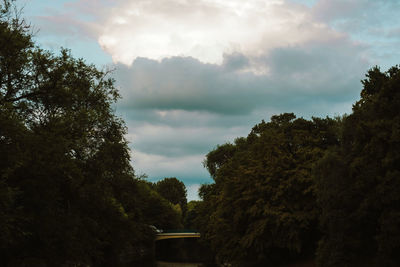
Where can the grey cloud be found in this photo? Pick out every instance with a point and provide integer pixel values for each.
(180, 107)
(325, 71)
(235, 61)
(187, 84)
(181, 141)
(179, 118)
(296, 76)
(177, 141)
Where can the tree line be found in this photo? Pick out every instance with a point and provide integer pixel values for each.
(293, 189)
(297, 189)
(68, 194)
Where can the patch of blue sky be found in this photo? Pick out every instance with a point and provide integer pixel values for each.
(35, 10)
(90, 51)
(308, 3)
(32, 8)
(378, 30)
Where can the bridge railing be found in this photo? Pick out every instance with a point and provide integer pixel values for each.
(179, 231)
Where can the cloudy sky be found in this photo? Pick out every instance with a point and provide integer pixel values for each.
(197, 73)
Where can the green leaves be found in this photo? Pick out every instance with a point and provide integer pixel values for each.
(68, 195)
(263, 199)
(172, 190)
(358, 187)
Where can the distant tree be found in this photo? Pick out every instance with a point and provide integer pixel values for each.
(359, 182)
(191, 215)
(172, 190)
(157, 210)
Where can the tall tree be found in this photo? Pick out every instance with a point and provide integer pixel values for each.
(174, 191)
(262, 207)
(359, 185)
(68, 194)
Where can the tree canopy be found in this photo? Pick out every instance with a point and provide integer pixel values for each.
(68, 194)
(359, 181)
(262, 204)
(294, 188)
(172, 190)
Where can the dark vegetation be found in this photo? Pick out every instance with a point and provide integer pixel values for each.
(68, 194)
(293, 190)
(184, 250)
(296, 189)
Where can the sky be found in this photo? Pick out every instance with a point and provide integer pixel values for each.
(194, 74)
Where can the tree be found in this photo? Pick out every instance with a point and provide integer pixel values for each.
(68, 194)
(174, 191)
(262, 207)
(191, 215)
(358, 182)
(157, 210)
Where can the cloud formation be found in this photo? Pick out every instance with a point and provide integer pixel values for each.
(206, 29)
(180, 104)
(309, 73)
(194, 74)
(178, 109)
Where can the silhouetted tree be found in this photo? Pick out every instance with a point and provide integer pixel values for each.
(262, 207)
(174, 191)
(359, 182)
(68, 194)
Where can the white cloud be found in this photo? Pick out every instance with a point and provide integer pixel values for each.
(205, 29)
(267, 57)
(194, 74)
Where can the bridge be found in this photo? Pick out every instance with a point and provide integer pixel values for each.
(170, 234)
(182, 245)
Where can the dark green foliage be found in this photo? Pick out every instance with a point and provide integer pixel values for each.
(183, 250)
(159, 211)
(68, 195)
(191, 214)
(274, 187)
(262, 206)
(172, 190)
(218, 157)
(359, 182)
